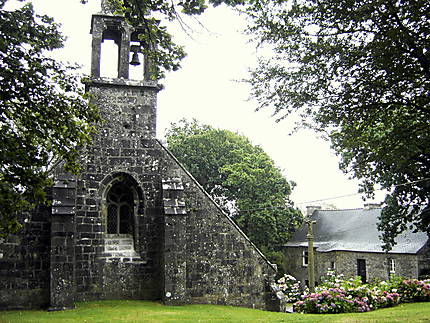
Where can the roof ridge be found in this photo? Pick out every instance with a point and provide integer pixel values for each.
(352, 209)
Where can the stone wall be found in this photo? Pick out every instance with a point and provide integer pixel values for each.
(179, 246)
(25, 263)
(208, 259)
(293, 264)
(377, 264)
(424, 262)
(123, 148)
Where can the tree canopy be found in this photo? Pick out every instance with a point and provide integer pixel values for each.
(359, 71)
(241, 177)
(44, 116)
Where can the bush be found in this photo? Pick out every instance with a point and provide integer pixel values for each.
(336, 295)
(290, 286)
(413, 290)
(333, 300)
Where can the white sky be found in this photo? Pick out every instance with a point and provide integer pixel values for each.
(205, 89)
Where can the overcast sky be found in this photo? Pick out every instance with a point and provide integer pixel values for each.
(206, 89)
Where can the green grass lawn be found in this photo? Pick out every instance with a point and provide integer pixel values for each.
(145, 311)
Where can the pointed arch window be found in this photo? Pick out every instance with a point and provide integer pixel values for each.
(120, 208)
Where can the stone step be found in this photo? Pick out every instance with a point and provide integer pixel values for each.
(121, 254)
(135, 260)
(121, 241)
(118, 247)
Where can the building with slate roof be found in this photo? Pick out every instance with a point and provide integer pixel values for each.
(347, 241)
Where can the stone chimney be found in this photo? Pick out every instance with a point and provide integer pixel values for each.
(311, 208)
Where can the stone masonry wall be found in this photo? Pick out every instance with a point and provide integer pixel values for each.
(293, 264)
(377, 264)
(123, 147)
(198, 257)
(215, 262)
(424, 262)
(65, 254)
(25, 262)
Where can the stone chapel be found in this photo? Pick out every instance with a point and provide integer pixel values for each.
(133, 224)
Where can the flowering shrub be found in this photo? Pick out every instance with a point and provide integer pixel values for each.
(331, 280)
(379, 298)
(413, 290)
(333, 300)
(290, 286)
(337, 300)
(336, 295)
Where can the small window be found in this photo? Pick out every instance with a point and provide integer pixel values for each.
(305, 258)
(332, 265)
(392, 266)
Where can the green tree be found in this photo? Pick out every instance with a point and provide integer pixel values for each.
(358, 71)
(44, 117)
(242, 178)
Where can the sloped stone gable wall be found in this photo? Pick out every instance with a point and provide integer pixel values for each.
(213, 261)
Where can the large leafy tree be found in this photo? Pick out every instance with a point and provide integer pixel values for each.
(44, 116)
(242, 178)
(358, 71)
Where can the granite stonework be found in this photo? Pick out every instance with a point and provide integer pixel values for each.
(25, 264)
(133, 224)
(345, 263)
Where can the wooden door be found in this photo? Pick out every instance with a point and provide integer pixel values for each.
(361, 269)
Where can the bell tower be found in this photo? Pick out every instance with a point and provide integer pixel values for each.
(117, 209)
(127, 102)
(107, 26)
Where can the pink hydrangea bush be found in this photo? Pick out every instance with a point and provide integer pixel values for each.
(413, 290)
(336, 295)
(333, 300)
(337, 300)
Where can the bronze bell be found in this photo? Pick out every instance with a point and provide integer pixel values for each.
(135, 59)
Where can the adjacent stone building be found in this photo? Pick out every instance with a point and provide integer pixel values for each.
(134, 224)
(347, 241)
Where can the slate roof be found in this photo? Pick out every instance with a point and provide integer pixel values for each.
(353, 230)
